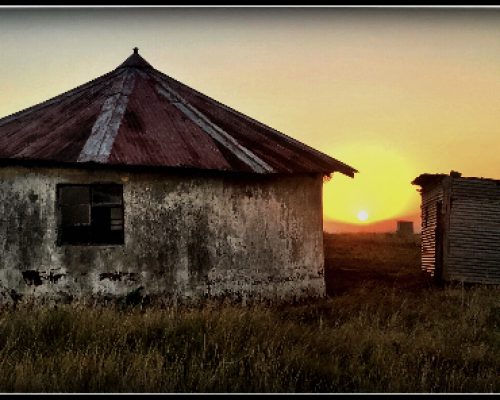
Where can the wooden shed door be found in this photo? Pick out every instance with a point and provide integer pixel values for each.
(438, 265)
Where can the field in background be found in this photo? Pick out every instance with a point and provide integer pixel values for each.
(373, 260)
(383, 328)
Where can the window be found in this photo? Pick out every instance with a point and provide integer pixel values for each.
(90, 214)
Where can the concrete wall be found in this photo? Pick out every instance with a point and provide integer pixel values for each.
(186, 237)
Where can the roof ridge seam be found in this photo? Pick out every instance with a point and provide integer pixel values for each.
(217, 133)
(100, 142)
(289, 139)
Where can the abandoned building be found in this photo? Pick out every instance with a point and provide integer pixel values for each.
(404, 228)
(460, 227)
(136, 183)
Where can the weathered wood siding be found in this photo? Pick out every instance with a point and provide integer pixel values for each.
(474, 231)
(430, 197)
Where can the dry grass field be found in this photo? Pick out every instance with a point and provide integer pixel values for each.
(373, 260)
(384, 327)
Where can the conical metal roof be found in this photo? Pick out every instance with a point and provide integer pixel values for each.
(137, 116)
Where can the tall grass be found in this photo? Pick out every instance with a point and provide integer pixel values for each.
(383, 328)
(445, 341)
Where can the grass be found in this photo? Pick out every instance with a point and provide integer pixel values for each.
(383, 328)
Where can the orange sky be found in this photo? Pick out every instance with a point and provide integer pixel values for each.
(392, 92)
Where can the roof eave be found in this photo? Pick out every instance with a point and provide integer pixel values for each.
(426, 179)
(344, 169)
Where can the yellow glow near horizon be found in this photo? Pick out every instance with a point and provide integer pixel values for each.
(382, 189)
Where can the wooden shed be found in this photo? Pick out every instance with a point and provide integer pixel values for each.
(136, 183)
(460, 227)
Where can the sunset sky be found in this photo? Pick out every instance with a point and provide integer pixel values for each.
(391, 92)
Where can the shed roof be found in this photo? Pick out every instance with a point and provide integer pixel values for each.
(424, 180)
(137, 116)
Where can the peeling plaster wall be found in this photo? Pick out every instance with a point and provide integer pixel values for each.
(187, 237)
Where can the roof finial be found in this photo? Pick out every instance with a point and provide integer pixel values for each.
(136, 50)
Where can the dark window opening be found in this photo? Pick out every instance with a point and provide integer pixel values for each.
(90, 214)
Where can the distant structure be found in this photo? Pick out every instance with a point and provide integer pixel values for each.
(135, 184)
(404, 228)
(460, 227)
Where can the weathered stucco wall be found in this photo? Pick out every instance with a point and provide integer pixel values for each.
(186, 237)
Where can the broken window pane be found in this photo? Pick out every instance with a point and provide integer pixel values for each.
(116, 219)
(116, 213)
(86, 221)
(74, 194)
(76, 215)
(107, 194)
(103, 229)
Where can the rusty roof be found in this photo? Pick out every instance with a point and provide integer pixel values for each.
(137, 116)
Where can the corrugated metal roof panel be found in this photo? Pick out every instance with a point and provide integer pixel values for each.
(154, 132)
(136, 115)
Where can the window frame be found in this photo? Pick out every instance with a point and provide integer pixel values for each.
(90, 186)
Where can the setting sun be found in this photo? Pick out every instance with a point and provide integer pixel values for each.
(380, 191)
(362, 215)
